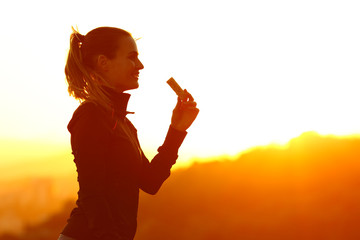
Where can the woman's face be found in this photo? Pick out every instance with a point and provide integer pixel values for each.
(122, 72)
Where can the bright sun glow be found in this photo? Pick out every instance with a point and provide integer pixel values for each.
(261, 71)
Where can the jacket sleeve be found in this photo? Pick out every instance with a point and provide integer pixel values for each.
(154, 173)
(88, 139)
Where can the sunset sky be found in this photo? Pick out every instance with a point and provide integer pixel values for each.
(261, 71)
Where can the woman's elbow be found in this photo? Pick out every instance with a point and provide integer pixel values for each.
(152, 182)
(151, 189)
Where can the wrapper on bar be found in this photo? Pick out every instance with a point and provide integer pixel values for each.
(177, 89)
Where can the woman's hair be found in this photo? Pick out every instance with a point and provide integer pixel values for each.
(84, 83)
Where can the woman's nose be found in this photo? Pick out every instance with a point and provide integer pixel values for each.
(139, 65)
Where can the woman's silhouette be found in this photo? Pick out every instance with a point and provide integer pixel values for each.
(110, 163)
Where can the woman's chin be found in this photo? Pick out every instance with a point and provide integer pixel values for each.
(135, 85)
(130, 87)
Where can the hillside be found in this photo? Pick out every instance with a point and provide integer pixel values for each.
(308, 189)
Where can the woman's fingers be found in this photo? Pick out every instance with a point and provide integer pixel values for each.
(189, 104)
(184, 113)
(188, 96)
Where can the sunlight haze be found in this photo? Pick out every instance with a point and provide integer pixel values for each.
(261, 71)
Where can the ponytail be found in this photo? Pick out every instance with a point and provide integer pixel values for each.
(75, 72)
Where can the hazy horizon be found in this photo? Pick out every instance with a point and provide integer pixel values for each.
(309, 176)
(23, 158)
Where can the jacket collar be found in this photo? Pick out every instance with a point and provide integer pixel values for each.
(119, 101)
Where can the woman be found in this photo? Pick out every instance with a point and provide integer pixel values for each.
(110, 163)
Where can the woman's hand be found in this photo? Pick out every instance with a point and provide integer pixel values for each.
(184, 113)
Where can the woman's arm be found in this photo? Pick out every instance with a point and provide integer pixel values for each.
(154, 173)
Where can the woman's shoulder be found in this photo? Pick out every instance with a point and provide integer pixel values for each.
(88, 107)
(88, 113)
(88, 110)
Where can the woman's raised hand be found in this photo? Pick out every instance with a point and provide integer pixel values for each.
(184, 113)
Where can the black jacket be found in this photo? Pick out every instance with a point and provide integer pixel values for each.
(111, 169)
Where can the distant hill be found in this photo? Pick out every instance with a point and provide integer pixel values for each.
(308, 189)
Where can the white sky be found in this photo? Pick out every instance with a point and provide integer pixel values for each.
(261, 71)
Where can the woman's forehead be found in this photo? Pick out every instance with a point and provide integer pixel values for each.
(127, 45)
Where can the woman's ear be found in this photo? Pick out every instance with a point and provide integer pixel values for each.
(102, 63)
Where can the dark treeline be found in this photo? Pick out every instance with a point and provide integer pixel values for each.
(308, 190)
